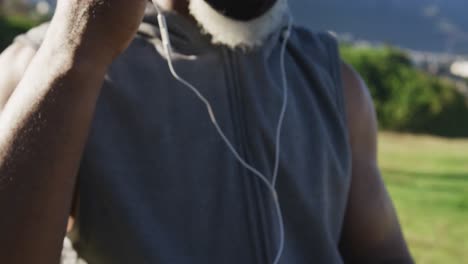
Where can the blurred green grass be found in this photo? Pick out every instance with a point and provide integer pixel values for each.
(428, 180)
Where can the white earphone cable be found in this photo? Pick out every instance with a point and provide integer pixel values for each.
(270, 185)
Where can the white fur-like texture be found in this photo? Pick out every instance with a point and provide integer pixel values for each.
(234, 33)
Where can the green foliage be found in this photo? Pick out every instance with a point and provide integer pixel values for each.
(12, 26)
(408, 99)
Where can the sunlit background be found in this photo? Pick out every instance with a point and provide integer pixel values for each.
(413, 55)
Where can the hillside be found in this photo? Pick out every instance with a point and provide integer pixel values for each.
(428, 25)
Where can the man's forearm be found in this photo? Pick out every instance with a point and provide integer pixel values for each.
(43, 129)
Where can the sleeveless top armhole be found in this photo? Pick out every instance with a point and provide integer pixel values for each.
(335, 61)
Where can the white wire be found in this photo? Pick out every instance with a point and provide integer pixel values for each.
(261, 176)
(242, 161)
(285, 102)
(278, 140)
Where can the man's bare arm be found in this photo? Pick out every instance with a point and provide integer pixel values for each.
(45, 121)
(371, 232)
(42, 132)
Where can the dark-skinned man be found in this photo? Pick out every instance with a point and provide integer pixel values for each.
(94, 125)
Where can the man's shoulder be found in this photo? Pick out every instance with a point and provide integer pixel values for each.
(316, 40)
(319, 47)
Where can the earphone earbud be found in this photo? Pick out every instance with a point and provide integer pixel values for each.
(164, 31)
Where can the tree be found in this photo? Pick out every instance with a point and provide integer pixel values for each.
(408, 99)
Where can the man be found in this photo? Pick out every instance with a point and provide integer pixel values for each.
(92, 101)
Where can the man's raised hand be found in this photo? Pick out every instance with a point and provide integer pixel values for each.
(96, 29)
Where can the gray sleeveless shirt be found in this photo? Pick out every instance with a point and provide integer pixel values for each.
(158, 185)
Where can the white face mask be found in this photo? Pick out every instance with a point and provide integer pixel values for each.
(235, 33)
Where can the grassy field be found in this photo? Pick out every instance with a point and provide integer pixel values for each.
(428, 180)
